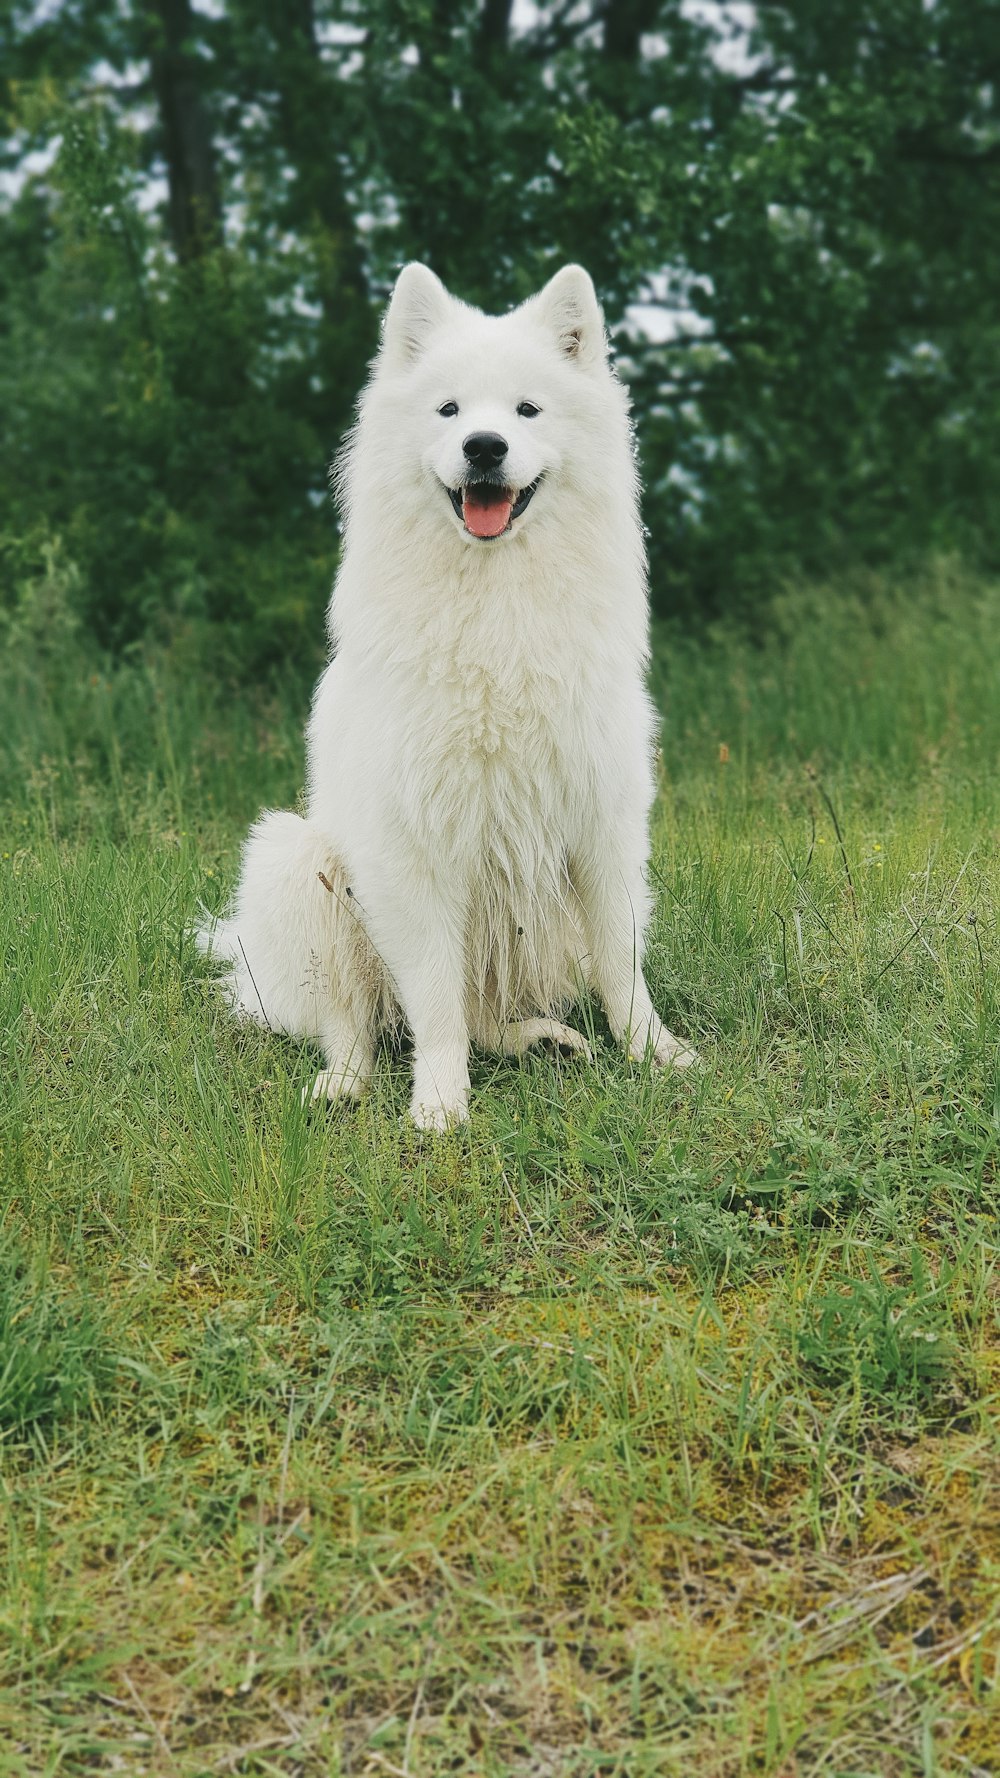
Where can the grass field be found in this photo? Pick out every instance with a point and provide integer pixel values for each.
(648, 1426)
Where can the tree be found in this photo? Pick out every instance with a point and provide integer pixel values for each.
(185, 130)
(794, 226)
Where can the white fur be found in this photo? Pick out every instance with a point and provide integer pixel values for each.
(480, 746)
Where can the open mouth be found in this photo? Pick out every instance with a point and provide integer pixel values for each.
(487, 509)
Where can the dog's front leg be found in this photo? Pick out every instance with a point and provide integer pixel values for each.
(615, 901)
(420, 935)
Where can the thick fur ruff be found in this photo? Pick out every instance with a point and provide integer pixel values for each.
(480, 746)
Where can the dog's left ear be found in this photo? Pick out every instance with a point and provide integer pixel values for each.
(569, 308)
(420, 304)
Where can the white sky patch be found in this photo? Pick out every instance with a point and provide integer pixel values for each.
(732, 22)
(662, 326)
(42, 13)
(664, 313)
(525, 15)
(110, 78)
(152, 193)
(234, 222)
(31, 166)
(340, 33)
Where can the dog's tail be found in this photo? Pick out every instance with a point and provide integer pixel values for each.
(218, 939)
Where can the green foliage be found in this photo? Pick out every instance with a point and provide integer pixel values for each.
(887, 1338)
(147, 428)
(817, 198)
(54, 1361)
(42, 595)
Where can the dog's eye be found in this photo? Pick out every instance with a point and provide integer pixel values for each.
(448, 410)
(528, 410)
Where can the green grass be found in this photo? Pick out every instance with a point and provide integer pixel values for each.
(646, 1427)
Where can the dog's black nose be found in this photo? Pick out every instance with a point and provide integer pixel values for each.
(485, 450)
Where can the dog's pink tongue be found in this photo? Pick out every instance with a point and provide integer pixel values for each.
(487, 518)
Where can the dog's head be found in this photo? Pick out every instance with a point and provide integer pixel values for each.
(486, 419)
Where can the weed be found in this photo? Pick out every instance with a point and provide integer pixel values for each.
(54, 1360)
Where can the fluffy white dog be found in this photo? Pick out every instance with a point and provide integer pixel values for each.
(480, 747)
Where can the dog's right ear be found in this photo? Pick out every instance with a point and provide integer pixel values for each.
(569, 309)
(419, 306)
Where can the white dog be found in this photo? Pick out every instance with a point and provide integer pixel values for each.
(480, 747)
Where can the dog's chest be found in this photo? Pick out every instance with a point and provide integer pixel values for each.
(507, 733)
(502, 753)
(503, 712)
(500, 691)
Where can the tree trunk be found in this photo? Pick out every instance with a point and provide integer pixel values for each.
(312, 133)
(624, 23)
(493, 29)
(194, 213)
(307, 101)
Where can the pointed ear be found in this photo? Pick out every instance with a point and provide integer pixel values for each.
(569, 308)
(419, 305)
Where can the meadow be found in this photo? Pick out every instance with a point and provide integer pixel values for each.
(646, 1427)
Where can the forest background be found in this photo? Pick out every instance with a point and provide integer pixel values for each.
(791, 212)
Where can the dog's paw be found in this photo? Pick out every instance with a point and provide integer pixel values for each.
(675, 1055)
(663, 1048)
(434, 1116)
(550, 1035)
(565, 1042)
(332, 1084)
(672, 1052)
